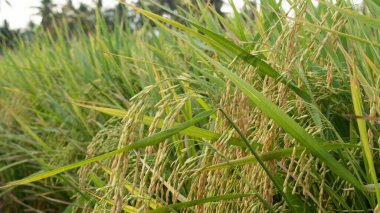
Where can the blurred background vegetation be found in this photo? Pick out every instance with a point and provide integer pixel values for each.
(67, 15)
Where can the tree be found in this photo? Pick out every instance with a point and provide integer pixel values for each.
(69, 11)
(46, 11)
(174, 5)
(7, 36)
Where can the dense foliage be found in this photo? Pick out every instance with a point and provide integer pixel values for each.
(262, 109)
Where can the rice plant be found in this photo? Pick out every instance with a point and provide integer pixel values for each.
(197, 112)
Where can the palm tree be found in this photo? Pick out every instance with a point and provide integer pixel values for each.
(46, 12)
(68, 6)
(7, 36)
(173, 4)
(86, 16)
(69, 12)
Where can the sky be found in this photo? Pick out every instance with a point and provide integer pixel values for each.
(21, 12)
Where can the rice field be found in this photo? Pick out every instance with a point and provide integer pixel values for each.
(265, 109)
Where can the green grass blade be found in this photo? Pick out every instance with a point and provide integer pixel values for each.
(28, 130)
(148, 141)
(228, 47)
(183, 205)
(238, 22)
(354, 15)
(126, 208)
(338, 33)
(191, 131)
(275, 155)
(286, 122)
(287, 197)
(358, 108)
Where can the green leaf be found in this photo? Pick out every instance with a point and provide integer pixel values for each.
(148, 141)
(338, 33)
(358, 108)
(286, 122)
(289, 198)
(354, 15)
(183, 205)
(227, 46)
(191, 131)
(274, 155)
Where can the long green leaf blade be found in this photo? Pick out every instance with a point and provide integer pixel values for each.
(183, 205)
(227, 46)
(191, 131)
(148, 141)
(286, 122)
(275, 155)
